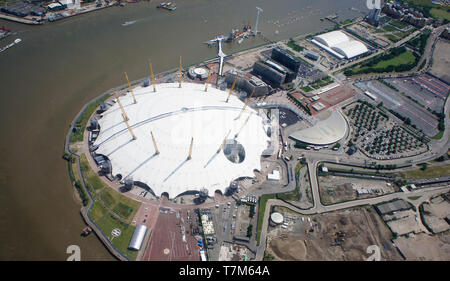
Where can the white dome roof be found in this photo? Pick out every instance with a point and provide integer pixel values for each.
(341, 43)
(324, 132)
(277, 218)
(175, 115)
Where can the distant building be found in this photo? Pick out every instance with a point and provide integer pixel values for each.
(285, 58)
(23, 9)
(247, 82)
(312, 55)
(340, 45)
(374, 17)
(273, 73)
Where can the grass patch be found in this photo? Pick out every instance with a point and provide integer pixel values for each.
(108, 223)
(438, 136)
(398, 24)
(392, 37)
(322, 83)
(440, 14)
(397, 60)
(80, 124)
(307, 89)
(291, 44)
(404, 58)
(93, 181)
(107, 198)
(97, 211)
(261, 210)
(414, 197)
(389, 28)
(430, 172)
(123, 210)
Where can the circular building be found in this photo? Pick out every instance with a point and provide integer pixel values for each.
(198, 72)
(276, 218)
(186, 139)
(325, 132)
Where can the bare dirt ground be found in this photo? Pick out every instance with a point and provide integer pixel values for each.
(342, 235)
(441, 60)
(423, 247)
(334, 189)
(435, 213)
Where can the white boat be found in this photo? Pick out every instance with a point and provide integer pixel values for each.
(18, 40)
(128, 23)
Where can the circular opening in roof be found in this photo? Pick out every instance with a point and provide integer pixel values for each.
(234, 151)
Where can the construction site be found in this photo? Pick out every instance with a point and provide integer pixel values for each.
(338, 236)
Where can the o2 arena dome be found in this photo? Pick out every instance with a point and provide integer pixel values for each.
(182, 139)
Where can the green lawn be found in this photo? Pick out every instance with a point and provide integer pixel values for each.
(438, 136)
(404, 58)
(108, 223)
(389, 28)
(83, 119)
(307, 89)
(262, 209)
(91, 178)
(107, 198)
(111, 198)
(398, 24)
(431, 172)
(439, 13)
(392, 37)
(97, 211)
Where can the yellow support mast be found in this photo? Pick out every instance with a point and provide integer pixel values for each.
(129, 129)
(242, 127)
(152, 76)
(180, 73)
(190, 149)
(124, 115)
(224, 142)
(131, 89)
(154, 143)
(246, 103)
(207, 80)
(232, 86)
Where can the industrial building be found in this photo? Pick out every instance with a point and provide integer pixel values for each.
(340, 45)
(181, 139)
(325, 132)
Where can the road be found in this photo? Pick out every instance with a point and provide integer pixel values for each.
(319, 208)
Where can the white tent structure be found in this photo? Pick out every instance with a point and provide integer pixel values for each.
(328, 131)
(339, 44)
(176, 117)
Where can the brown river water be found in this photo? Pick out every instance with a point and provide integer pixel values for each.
(58, 67)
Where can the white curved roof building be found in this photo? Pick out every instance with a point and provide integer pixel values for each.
(339, 44)
(175, 115)
(328, 131)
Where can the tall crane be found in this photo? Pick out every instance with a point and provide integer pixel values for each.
(259, 10)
